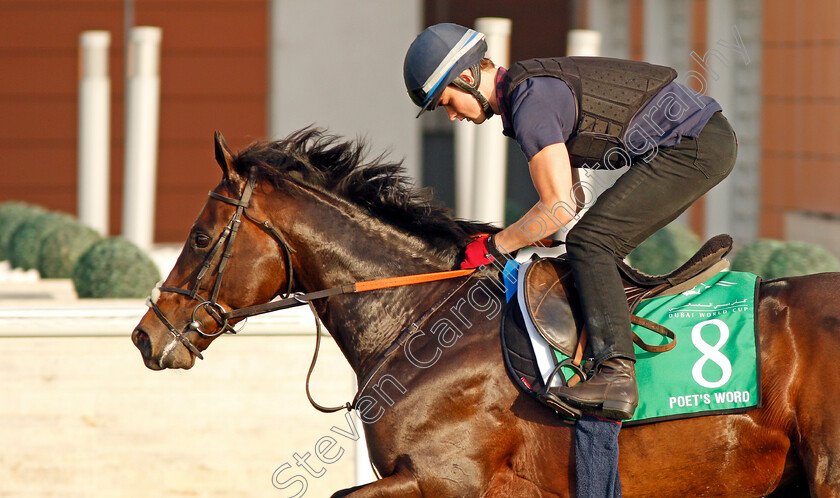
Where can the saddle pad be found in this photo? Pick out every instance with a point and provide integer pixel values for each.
(712, 370)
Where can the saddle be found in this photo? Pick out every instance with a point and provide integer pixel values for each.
(553, 304)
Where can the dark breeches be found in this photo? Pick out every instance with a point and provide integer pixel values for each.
(644, 199)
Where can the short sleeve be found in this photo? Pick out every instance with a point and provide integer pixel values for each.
(543, 112)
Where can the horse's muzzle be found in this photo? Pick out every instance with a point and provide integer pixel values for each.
(165, 359)
(142, 341)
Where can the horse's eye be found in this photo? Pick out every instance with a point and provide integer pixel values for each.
(202, 240)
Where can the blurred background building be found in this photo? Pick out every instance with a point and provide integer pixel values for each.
(259, 69)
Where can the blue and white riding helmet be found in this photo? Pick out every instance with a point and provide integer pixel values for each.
(436, 59)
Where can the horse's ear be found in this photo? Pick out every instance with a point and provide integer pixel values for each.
(224, 156)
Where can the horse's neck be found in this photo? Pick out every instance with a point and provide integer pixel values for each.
(335, 247)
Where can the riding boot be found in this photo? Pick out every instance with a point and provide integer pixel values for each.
(610, 393)
(592, 253)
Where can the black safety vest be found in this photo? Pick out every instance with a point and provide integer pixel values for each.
(608, 92)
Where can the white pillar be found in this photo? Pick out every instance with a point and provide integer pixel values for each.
(94, 129)
(141, 134)
(583, 42)
(720, 79)
(655, 37)
(464, 168)
(490, 168)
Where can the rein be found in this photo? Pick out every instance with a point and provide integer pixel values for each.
(287, 299)
(398, 342)
(300, 299)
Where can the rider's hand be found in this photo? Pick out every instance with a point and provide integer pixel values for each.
(476, 254)
(481, 251)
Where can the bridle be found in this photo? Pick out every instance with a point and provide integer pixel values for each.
(211, 305)
(287, 299)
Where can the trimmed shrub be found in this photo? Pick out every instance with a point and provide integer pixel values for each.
(116, 268)
(753, 257)
(665, 250)
(12, 214)
(25, 243)
(799, 258)
(63, 247)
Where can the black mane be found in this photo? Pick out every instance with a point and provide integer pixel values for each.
(322, 161)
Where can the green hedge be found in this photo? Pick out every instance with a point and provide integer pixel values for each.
(12, 214)
(775, 258)
(25, 243)
(63, 247)
(753, 257)
(800, 258)
(665, 250)
(114, 268)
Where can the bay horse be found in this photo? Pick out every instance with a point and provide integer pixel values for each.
(442, 417)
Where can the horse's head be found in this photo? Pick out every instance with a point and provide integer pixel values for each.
(232, 258)
(345, 219)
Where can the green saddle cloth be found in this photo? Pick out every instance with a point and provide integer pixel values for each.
(714, 367)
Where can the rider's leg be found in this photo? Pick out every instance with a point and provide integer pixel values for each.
(647, 197)
(613, 388)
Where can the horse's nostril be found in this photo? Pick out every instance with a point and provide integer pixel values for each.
(140, 337)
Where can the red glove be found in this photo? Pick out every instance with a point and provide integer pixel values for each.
(477, 254)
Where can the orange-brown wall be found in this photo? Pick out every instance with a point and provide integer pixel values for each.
(538, 30)
(697, 213)
(801, 104)
(637, 29)
(213, 76)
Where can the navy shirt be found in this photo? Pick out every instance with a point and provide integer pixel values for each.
(541, 111)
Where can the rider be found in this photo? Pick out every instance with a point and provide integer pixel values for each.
(568, 113)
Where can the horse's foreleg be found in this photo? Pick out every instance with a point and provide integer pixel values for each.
(821, 458)
(401, 484)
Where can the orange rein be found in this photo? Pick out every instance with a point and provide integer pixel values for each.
(420, 278)
(368, 285)
(385, 283)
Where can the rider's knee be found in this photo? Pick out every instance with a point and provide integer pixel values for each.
(582, 241)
